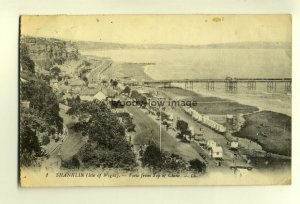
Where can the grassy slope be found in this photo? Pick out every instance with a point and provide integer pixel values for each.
(274, 133)
(273, 129)
(210, 105)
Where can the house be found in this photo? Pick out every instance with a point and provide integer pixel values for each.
(76, 83)
(121, 86)
(64, 88)
(93, 86)
(211, 143)
(234, 145)
(198, 136)
(216, 152)
(88, 94)
(109, 92)
(66, 96)
(100, 96)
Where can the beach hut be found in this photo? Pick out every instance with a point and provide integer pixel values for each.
(229, 118)
(234, 145)
(192, 129)
(216, 152)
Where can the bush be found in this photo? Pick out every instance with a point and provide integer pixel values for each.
(107, 146)
(45, 140)
(29, 144)
(183, 128)
(197, 165)
(152, 157)
(71, 164)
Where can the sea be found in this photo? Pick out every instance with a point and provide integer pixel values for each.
(216, 63)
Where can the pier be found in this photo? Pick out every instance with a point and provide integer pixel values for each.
(230, 84)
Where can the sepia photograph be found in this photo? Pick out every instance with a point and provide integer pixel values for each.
(155, 100)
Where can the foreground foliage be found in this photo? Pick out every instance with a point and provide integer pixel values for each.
(42, 115)
(107, 145)
(158, 160)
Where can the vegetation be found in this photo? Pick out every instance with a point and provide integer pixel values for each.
(43, 102)
(157, 160)
(73, 101)
(47, 52)
(107, 145)
(26, 63)
(29, 144)
(55, 71)
(73, 163)
(269, 129)
(127, 121)
(45, 140)
(183, 128)
(152, 157)
(114, 83)
(42, 116)
(141, 99)
(127, 90)
(197, 165)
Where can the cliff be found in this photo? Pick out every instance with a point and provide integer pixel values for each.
(46, 52)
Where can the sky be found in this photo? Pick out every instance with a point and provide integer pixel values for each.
(161, 29)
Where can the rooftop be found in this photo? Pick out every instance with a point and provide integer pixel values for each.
(89, 92)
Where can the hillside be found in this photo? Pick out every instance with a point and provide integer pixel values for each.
(85, 45)
(46, 52)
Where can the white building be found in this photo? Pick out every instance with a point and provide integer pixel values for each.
(234, 145)
(216, 152)
(211, 143)
(100, 96)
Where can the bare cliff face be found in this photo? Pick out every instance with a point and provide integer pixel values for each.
(47, 52)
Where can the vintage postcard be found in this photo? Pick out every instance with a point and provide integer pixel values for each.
(123, 100)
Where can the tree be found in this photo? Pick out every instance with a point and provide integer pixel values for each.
(114, 83)
(197, 165)
(183, 128)
(85, 79)
(29, 144)
(152, 157)
(26, 63)
(73, 163)
(107, 146)
(77, 99)
(141, 99)
(127, 90)
(45, 140)
(43, 101)
(55, 71)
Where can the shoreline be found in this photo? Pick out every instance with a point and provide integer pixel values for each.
(245, 99)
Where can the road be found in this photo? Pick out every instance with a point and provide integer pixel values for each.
(147, 129)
